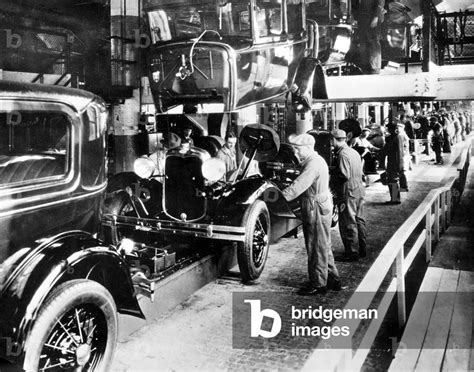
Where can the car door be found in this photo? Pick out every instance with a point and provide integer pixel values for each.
(39, 149)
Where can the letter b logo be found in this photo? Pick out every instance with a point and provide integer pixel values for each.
(14, 41)
(256, 320)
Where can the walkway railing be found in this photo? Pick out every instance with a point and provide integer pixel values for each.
(435, 210)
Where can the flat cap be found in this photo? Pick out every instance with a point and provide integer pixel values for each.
(338, 133)
(301, 140)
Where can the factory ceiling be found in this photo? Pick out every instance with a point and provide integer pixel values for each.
(447, 6)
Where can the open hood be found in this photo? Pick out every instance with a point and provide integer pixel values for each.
(262, 136)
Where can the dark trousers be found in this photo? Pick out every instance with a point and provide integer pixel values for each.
(393, 179)
(352, 225)
(317, 218)
(427, 149)
(447, 142)
(437, 148)
(403, 180)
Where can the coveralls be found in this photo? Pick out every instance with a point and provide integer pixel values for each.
(447, 129)
(351, 201)
(228, 156)
(316, 208)
(394, 149)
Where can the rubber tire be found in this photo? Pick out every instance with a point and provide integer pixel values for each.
(248, 270)
(62, 299)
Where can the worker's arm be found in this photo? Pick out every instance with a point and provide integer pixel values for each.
(301, 183)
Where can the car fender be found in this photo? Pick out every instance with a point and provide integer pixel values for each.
(149, 191)
(120, 181)
(243, 193)
(67, 256)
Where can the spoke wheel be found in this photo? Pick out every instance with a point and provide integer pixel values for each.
(260, 241)
(76, 329)
(252, 253)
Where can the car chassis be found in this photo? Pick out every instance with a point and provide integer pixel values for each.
(249, 211)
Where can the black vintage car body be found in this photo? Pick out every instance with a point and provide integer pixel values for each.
(193, 203)
(58, 282)
(236, 52)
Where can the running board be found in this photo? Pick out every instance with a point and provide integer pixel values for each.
(176, 288)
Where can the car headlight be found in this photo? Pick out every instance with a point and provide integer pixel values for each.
(143, 167)
(213, 169)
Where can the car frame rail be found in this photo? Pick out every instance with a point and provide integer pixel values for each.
(189, 229)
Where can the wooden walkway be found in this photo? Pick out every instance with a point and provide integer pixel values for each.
(438, 335)
(439, 332)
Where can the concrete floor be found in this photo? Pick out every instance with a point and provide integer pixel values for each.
(197, 334)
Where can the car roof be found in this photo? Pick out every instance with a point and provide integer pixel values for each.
(77, 98)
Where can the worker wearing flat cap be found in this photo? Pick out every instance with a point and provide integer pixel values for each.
(312, 186)
(350, 192)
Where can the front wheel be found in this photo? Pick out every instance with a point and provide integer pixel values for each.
(252, 253)
(76, 329)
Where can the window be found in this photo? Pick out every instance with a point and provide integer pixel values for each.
(327, 11)
(189, 20)
(295, 17)
(244, 20)
(34, 145)
(268, 18)
(159, 26)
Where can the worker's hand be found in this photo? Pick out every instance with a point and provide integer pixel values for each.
(374, 22)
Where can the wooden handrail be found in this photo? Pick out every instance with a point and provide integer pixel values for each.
(437, 204)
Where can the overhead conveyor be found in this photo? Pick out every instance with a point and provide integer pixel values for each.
(442, 83)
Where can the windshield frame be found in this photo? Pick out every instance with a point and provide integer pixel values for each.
(244, 21)
(181, 21)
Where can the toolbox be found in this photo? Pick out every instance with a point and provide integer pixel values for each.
(152, 260)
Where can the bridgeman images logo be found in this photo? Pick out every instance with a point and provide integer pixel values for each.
(257, 316)
(279, 320)
(303, 321)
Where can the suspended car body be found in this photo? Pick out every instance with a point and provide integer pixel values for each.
(236, 53)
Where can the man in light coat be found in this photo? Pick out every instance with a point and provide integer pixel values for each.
(312, 186)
